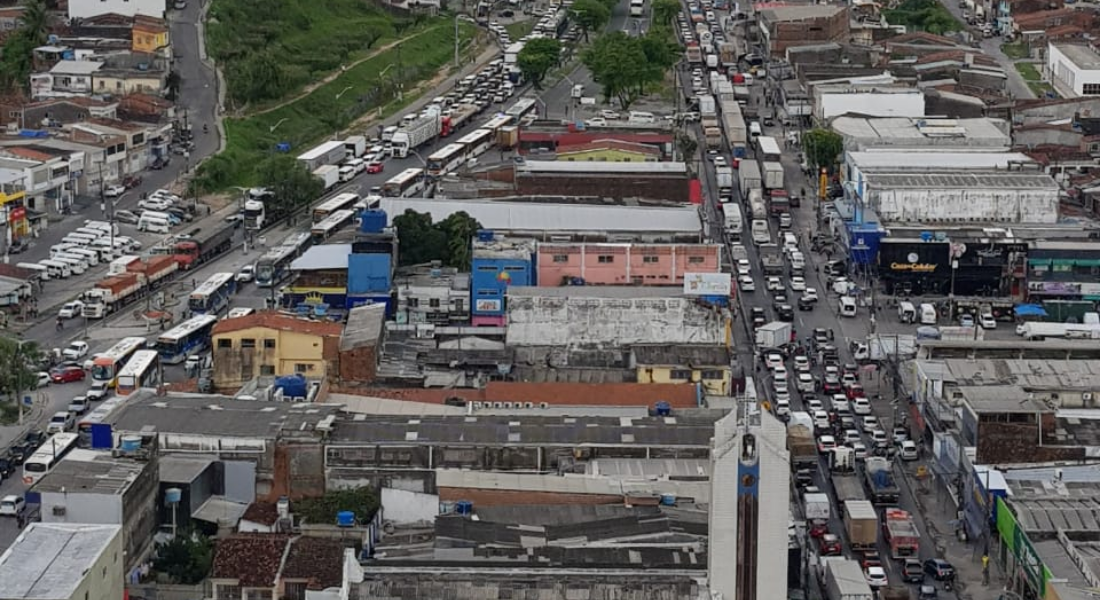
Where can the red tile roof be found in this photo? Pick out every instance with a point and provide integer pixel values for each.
(318, 560)
(251, 558)
(956, 55)
(27, 153)
(280, 321)
(264, 513)
(553, 393)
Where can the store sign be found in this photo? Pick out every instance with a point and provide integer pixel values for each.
(17, 214)
(914, 267)
(1068, 288)
(707, 284)
(487, 306)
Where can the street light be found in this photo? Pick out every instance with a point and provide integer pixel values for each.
(418, 157)
(276, 126)
(344, 91)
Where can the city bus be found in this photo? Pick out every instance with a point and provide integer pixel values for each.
(324, 230)
(477, 142)
(406, 184)
(637, 8)
(43, 459)
(106, 365)
(446, 159)
(274, 265)
(337, 202)
(190, 337)
(85, 426)
(769, 148)
(494, 124)
(143, 371)
(213, 295)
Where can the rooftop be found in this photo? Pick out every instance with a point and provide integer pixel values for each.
(968, 181)
(1029, 374)
(602, 168)
(91, 472)
(1082, 56)
(50, 560)
(320, 561)
(364, 327)
(253, 559)
(980, 132)
(538, 217)
(504, 247)
(910, 160)
(279, 321)
(182, 469)
(325, 256)
(596, 291)
(799, 12)
(76, 67)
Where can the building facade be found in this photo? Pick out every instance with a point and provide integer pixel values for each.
(498, 263)
(83, 9)
(433, 294)
(64, 561)
(1074, 69)
(272, 344)
(624, 264)
(708, 366)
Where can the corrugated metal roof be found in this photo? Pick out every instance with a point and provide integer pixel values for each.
(522, 216)
(325, 256)
(587, 166)
(963, 181)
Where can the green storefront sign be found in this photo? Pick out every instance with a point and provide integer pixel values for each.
(1026, 557)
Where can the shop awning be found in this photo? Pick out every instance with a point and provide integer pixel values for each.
(1030, 310)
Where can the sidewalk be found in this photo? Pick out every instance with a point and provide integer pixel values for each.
(31, 416)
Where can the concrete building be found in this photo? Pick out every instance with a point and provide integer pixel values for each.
(666, 181)
(749, 506)
(624, 264)
(372, 261)
(862, 133)
(867, 100)
(550, 136)
(361, 344)
(1063, 270)
(608, 151)
(783, 27)
(1074, 69)
(709, 366)
(49, 175)
(93, 487)
(497, 264)
(63, 561)
(580, 315)
(273, 344)
(83, 9)
(432, 294)
(320, 273)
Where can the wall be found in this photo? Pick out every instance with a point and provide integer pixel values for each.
(775, 499)
(491, 497)
(359, 365)
(673, 188)
(630, 264)
(148, 41)
(1004, 205)
(401, 506)
(234, 366)
(643, 585)
(369, 273)
(165, 591)
(105, 578)
(1067, 78)
(299, 471)
(131, 83)
(88, 8)
(714, 387)
(605, 155)
(1003, 443)
(807, 32)
(870, 104)
(98, 509)
(489, 279)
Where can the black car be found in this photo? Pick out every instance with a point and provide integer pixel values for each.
(912, 571)
(785, 312)
(34, 438)
(6, 467)
(19, 452)
(19, 246)
(939, 569)
(758, 317)
(804, 304)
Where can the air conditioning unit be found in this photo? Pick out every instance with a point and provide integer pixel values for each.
(1087, 396)
(529, 405)
(508, 405)
(477, 405)
(498, 405)
(544, 405)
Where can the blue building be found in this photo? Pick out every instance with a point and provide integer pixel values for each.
(372, 262)
(497, 263)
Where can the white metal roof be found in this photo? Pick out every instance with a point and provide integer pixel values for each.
(325, 256)
(49, 560)
(909, 160)
(532, 216)
(76, 67)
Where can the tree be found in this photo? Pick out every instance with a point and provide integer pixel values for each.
(256, 78)
(418, 240)
(15, 56)
(537, 58)
(460, 228)
(186, 558)
(665, 11)
(363, 502)
(618, 62)
(294, 186)
(18, 367)
(822, 147)
(35, 21)
(590, 15)
(687, 145)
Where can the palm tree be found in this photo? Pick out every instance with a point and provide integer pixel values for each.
(36, 21)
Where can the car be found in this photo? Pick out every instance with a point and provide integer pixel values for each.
(757, 316)
(900, 434)
(840, 403)
(869, 423)
(59, 422)
(801, 362)
(780, 385)
(596, 122)
(155, 204)
(246, 274)
(939, 569)
(779, 372)
(859, 450)
(79, 405)
(44, 379)
(7, 467)
(774, 284)
(66, 374)
(966, 320)
(34, 438)
(861, 406)
(798, 284)
(876, 577)
(805, 303)
(746, 283)
(720, 161)
(785, 312)
(879, 439)
(609, 114)
(820, 335)
(819, 529)
(804, 381)
(908, 450)
(114, 191)
(71, 310)
(826, 443)
(19, 452)
(911, 571)
(12, 505)
(98, 391)
(773, 360)
(814, 405)
(829, 545)
(75, 350)
(375, 166)
(831, 385)
(986, 321)
(848, 378)
(854, 390)
(852, 436)
(927, 592)
(126, 216)
(744, 267)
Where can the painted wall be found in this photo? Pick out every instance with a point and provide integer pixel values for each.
(606, 155)
(489, 282)
(402, 506)
(1006, 205)
(148, 41)
(625, 264)
(234, 365)
(716, 381)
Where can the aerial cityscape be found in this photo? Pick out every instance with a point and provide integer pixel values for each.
(549, 299)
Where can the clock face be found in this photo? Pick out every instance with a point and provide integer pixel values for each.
(913, 257)
(748, 480)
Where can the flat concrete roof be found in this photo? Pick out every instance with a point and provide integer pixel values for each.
(588, 166)
(91, 472)
(49, 560)
(799, 12)
(901, 129)
(596, 291)
(910, 160)
(1081, 56)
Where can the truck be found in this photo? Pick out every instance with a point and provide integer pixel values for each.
(901, 534)
(847, 488)
(713, 136)
(878, 477)
(773, 175)
(1036, 330)
(861, 524)
(355, 146)
(956, 332)
(771, 259)
(842, 460)
(773, 335)
(748, 176)
(778, 202)
(844, 580)
(727, 55)
(200, 245)
(329, 175)
(118, 266)
(694, 54)
(256, 214)
(724, 92)
(732, 221)
(712, 61)
(115, 291)
(882, 348)
(416, 134)
(460, 115)
(328, 153)
(801, 445)
(725, 180)
(817, 507)
(706, 105)
(741, 92)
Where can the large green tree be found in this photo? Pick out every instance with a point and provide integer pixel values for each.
(19, 361)
(590, 15)
(537, 58)
(460, 228)
(294, 186)
(822, 147)
(619, 63)
(16, 53)
(665, 11)
(185, 559)
(421, 241)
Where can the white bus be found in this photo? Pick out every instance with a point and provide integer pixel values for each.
(769, 148)
(522, 108)
(213, 294)
(406, 184)
(42, 270)
(324, 230)
(477, 142)
(637, 8)
(337, 202)
(494, 124)
(446, 159)
(143, 371)
(190, 337)
(274, 265)
(43, 459)
(106, 365)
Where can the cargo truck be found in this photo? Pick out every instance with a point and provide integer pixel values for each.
(706, 106)
(847, 488)
(460, 115)
(713, 137)
(901, 534)
(778, 202)
(733, 223)
(756, 204)
(329, 176)
(202, 244)
(861, 524)
(800, 444)
(748, 175)
(116, 291)
(954, 332)
(878, 476)
(727, 55)
(771, 259)
(416, 134)
(723, 91)
(355, 146)
(725, 180)
(712, 61)
(741, 92)
(818, 507)
(844, 580)
(773, 175)
(773, 335)
(694, 54)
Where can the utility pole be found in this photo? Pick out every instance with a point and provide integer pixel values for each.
(456, 40)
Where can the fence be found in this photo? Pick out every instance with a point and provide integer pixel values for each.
(164, 591)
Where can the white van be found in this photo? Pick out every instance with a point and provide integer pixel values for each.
(129, 244)
(790, 242)
(104, 226)
(927, 314)
(347, 173)
(91, 256)
(760, 232)
(847, 306)
(754, 130)
(358, 164)
(907, 313)
(153, 224)
(57, 270)
(113, 250)
(76, 266)
(42, 270)
(647, 118)
(798, 261)
(59, 249)
(78, 238)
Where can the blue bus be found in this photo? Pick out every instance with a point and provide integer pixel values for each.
(213, 295)
(188, 338)
(274, 265)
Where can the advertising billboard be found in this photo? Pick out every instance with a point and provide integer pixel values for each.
(707, 284)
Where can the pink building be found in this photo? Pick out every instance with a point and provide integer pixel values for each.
(624, 264)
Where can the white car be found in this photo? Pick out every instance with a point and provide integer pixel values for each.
(744, 267)
(596, 122)
(805, 382)
(826, 444)
(780, 372)
(746, 283)
(869, 423)
(114, 191)
(246, 273)
(798, 284)
(876, 577)
(859, 450)
(801, 362)
(773, 360)
(60, 422)
(908, 450)
(774, 284)
(821, 420)
(814, 405)
(43, 379)
(720, 161)
(840, 403)
(154, 204)
(11, 506)
(71, 310)
(609, 114)
(98, 391)
(861, 406)
(852, 436)
(987, 321)
(75, 350)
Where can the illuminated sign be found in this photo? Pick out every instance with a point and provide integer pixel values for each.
(917, 267)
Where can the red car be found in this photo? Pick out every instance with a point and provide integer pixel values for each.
(375, 167)
(830, 545)
(819, 529)
(854, 391)
(67, 374)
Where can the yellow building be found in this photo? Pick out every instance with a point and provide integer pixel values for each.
(13, 205)
(710, 366)
(273, 344)
(149, 34)
(609, 151)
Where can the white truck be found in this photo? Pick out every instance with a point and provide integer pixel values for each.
(355, 146)
(749, 175)
(1036, 330)
(773, 175)
(844, 580)
(416, 134)
(773, 335)
(706, 105)
(879, 348)
(725, 180)
(328, 174)
(733, 222)
(817, 507)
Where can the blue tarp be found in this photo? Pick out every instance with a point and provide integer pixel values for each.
(1030, 310)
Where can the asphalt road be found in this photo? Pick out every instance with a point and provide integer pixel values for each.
(992, 47)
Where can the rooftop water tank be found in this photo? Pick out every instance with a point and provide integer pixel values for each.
(173, 495)
(464, 507)
(130, 443)
(484, 235)
(662, 409)
(373, 221)
(668, 499)
(345, 518)
(293, 386)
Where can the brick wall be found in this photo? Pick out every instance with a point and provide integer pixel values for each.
(359, 365)
(806, 32)
(486, 497)
(1017, 443)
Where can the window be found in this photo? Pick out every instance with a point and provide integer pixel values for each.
(248, 343)
(487, 268)
(433, 302)
(680, 374)
(651, 259)
(303, 368)
(269, 344)
(561, 258)
(1091, 89)
(267, 369)
(713, 375)
(258, 594)
(225, 343)
(412, 302)
(695, 260)
(225, 591)
(605, 259)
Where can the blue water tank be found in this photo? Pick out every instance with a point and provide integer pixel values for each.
(292, 385)
(173, 495)
(345, 518)
(668, 499)
(464, 507)
(662, 409)
(130, 443)
(484, 235)
(373, 221)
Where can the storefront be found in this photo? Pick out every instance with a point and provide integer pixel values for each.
(1027, 575)
(912, 267)
(983, 269)
(1063, 271)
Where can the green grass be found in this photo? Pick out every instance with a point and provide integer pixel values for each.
(1029, 72)
(9, 412)
(1016, 50)
(307, 120)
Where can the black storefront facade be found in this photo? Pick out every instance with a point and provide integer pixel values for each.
(913, 267)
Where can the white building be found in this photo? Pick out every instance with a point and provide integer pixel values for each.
(62, 561)
(749, 506)
(867, 100)
(861, 133)
(83, 9)
(1074, 69)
